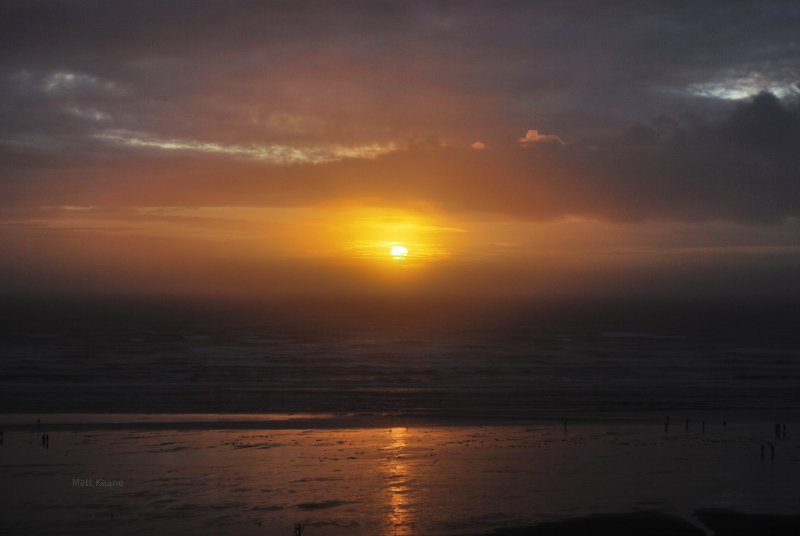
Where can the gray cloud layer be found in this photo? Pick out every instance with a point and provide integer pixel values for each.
(253, 76)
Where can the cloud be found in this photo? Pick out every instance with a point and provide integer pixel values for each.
(90, 114)
(311, 72)
(741, 167)
(533, 137)
(67, 83)
(743, 87)
(90, 110)
(63, 81)
(273, 154)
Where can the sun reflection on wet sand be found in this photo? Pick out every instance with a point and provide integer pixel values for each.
(368, 481)
(398, 473)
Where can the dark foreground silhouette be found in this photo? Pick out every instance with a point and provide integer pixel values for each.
(721, 522)
(727, 523)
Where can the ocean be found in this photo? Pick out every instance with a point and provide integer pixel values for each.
(440, 360)
(391, 417)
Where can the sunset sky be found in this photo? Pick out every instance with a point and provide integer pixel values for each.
(514, 148)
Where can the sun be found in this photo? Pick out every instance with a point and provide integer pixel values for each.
(399, 253)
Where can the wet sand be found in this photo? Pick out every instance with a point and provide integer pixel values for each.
(199, 476)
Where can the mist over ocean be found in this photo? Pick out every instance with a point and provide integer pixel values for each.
(437, 359)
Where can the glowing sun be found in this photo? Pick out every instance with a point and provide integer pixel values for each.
(399, 252)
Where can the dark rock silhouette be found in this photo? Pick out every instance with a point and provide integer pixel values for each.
(632, 524)
(727, 523)
(721, 522)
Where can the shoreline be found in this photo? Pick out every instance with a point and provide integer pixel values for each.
(698, 421)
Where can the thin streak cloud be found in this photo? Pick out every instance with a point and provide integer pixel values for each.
(273, 154)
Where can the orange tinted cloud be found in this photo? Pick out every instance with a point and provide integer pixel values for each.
(533, 137)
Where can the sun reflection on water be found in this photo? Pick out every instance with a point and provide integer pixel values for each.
(398, 474)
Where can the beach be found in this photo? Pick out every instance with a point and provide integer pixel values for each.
(340, 474)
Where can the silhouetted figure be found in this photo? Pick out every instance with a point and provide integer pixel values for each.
(43, 435)
(47, 441)
(2, 439)
(777, 430)
(783, 433)
(666, 425)
(565, 426)
(724, 424)
(771, 451)
(762, 452)
(38, 423)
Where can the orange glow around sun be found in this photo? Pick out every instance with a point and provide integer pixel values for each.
(370, 233)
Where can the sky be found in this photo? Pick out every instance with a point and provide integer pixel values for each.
(514, 148)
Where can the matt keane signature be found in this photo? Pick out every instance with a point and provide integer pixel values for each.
(97, 483)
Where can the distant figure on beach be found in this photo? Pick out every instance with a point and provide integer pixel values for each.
(43, 439)
(1, 437)
(783, 433)
(762, 452)
(38, 422)
(777, 430)
(47, 441)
